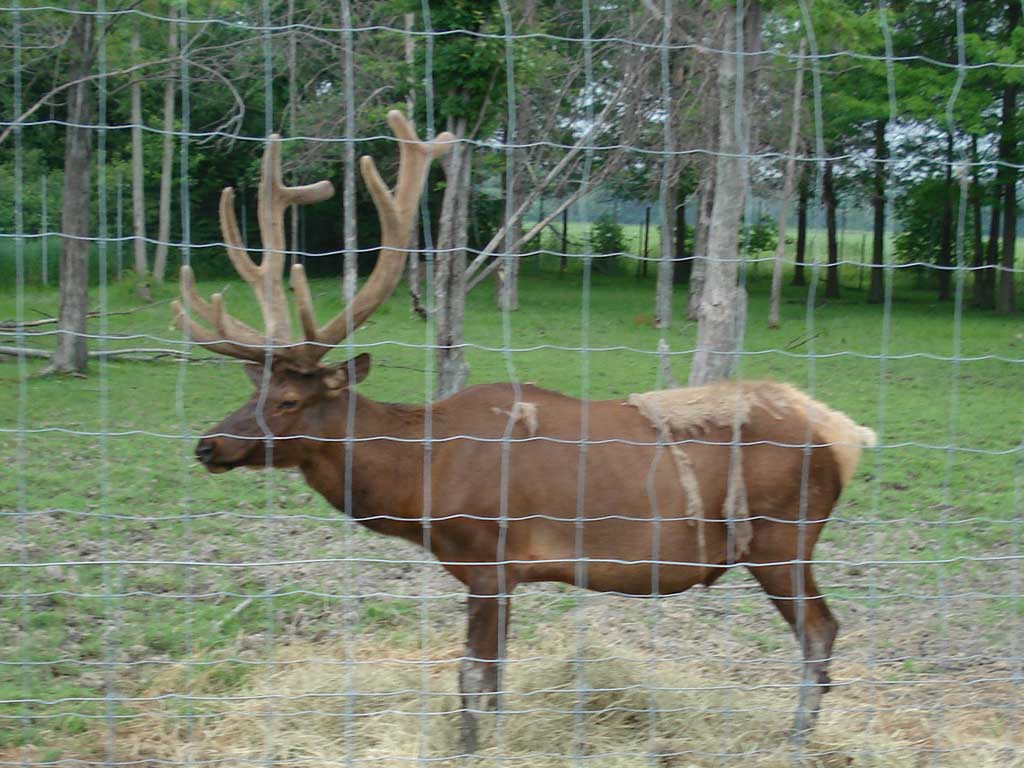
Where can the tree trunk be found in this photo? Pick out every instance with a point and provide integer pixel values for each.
(350, 269)
(166, 160)
(722, 302)
(507, 285)
(945, 260)
(138, 180)
(1008, 154)
(683, 264)
(71, 354)
(641, 265)
(450, 275)
(663, 289)
(508, 278)
(876, 289)
(787, 191)
(507, 275)
(294, 257)
(564, 263)
(831, 206)
(986, 289)
(413, 262)
(672, 71)
(978, 262)
(705, 206)
(803, 197)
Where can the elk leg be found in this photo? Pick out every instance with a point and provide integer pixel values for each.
(480, 667)
(811, 620)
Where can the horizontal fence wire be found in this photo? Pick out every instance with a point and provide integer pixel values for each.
(155, 614)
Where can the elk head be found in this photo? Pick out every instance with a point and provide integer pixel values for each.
(294, 390)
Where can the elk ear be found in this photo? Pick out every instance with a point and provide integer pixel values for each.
(336, 377)
(255, 373)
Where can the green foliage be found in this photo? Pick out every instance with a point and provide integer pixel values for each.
(607, 236)
(918, 210)
(760, 236)
(468, 71)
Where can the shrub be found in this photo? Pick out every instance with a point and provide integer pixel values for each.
(760, 236)
(607, 238)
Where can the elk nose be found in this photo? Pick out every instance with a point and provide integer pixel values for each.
(204, 451)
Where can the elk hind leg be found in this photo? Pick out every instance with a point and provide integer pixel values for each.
(805, 610)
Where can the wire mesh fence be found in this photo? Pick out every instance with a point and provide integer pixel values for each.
(157, 613)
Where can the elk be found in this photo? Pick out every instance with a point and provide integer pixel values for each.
(648, 495)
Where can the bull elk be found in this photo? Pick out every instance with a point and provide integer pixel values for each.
(650, 495)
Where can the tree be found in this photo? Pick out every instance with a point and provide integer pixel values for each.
(351, 264)
(723, 302)
(831, 200)
(469, 66)
(167, 156)
(705, 204)
(518, 133)
(141, 260)
(71, 354)
(800, 257)
(1008, 172)
(671, 71)
(787, 189)
(450, 272)
(875, 287)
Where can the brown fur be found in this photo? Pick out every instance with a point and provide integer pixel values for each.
(628, 511)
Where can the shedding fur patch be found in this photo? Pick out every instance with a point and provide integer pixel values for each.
(729, 404)
(523, 413)
(674, 413)
(679, 413)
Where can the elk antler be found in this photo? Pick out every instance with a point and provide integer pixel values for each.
(396, 210)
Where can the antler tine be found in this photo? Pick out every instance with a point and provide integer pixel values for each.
(396, 213)
(213, 341)
(274, 198)
(233, 238)
(231, 336)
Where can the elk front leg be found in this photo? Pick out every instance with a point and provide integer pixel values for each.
(480, 668)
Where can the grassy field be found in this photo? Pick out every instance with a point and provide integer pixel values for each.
(854, 246)
(316, 660)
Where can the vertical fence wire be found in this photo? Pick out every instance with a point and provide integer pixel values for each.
(21, 455)
(941, 586)
(264, 585)
(877, 457)
(797, 570)
(266, 202)
(580, 564)
(431, 254)
(349, 607)
(505, 287)
(187, 536)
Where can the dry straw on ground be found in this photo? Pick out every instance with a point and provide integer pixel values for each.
(709, 712)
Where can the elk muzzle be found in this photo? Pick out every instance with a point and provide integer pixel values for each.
(211, 453)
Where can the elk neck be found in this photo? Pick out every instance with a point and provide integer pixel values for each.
(387, 462)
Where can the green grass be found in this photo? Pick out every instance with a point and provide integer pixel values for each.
(103, 468)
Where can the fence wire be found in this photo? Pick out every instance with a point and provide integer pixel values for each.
(152, 614)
